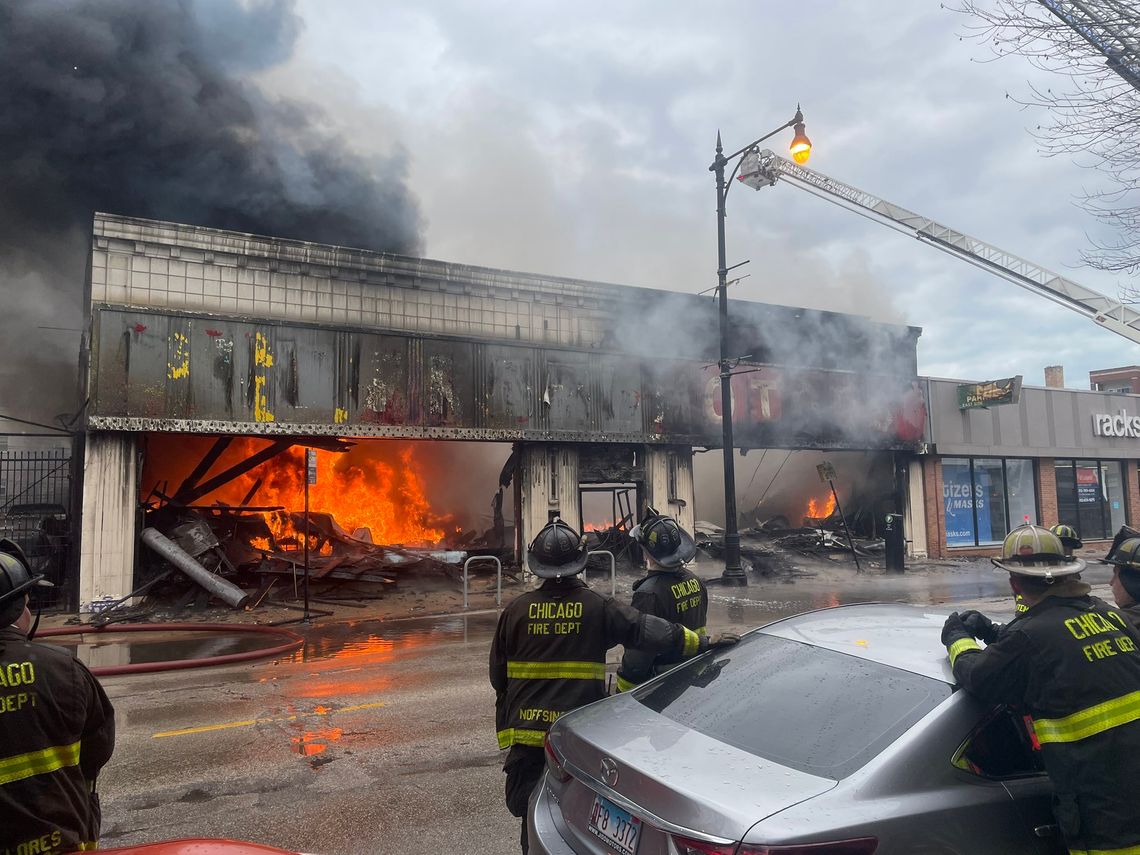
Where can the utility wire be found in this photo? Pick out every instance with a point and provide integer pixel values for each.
(757, 469)
(770, 483)
(33, 424)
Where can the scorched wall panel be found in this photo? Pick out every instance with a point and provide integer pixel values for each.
(172, 371)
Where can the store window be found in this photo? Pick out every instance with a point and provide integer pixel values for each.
(1090, 496)
(985, 496)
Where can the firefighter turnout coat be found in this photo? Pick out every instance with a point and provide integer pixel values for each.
(549, 654)
(1132, 612)
(675, 595)
(1071, 662)
(57, 730)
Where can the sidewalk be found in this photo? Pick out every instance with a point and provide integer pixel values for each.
(813, 582)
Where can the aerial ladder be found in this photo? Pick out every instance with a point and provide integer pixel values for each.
(764, 168)
(1111, 27)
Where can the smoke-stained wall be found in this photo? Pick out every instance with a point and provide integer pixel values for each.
(203, 330)
(548, 477)
(669, 484)
(110, 503)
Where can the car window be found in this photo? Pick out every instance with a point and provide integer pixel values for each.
(814, 710)
(1000, 748)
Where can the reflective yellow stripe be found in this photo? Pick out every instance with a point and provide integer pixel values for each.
(557, 670)
(959, 647)
(519, 736)
(692, 642)
(1089, 722)
(89, 846)
(1127, 850)
(623, 684)
(700, 630)
(38, 762)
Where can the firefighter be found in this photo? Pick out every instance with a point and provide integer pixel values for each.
(669, 591)
(1125, 559)
(1071, 663)
(549, 654)
(1069, 538)
(57, 730)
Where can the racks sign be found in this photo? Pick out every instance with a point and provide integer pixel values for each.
(1122, 424)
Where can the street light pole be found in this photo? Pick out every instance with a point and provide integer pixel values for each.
(733, 572)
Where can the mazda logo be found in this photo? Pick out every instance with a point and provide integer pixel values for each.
(609, 772)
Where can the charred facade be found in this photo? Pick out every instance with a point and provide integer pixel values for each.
(200, 331)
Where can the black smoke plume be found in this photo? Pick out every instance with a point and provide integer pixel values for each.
(145, 108)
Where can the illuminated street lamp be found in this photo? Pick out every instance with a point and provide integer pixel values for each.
(800, 150)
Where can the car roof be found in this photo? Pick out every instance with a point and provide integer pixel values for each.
(901, 636)
(33, 508)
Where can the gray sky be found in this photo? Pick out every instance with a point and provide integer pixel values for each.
(574, 139)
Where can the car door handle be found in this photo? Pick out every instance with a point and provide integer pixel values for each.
(1046, 830)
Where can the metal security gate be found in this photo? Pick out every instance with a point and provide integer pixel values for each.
(36, 512)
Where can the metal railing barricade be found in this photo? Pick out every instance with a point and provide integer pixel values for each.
(613, 568)
(498, 573)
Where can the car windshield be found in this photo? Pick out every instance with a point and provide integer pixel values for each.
(814, 710)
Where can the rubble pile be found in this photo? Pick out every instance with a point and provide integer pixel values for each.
(247, 554)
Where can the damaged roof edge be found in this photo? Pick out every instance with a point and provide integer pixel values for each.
(290, 251)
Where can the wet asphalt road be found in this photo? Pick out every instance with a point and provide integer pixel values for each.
(379, 738)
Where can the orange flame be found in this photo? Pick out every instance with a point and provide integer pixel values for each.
(821, 510)
(375, 486)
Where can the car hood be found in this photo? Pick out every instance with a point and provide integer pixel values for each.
(671, 773)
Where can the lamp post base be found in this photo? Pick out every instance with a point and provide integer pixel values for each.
(733, 571)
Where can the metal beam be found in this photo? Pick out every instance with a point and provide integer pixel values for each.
(204, 465)
(237, 470)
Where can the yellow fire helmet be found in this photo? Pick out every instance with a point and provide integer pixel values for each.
(1032, 550)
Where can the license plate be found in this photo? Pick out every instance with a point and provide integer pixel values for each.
(619, 828)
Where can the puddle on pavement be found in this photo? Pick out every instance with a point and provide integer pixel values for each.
(313, 742)
(375, 641)
(103, 650)
(764, 601)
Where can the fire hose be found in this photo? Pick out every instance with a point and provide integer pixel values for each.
(289, 642)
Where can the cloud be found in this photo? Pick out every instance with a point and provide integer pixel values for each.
(577, 143)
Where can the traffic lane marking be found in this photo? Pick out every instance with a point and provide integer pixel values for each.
(210, 728)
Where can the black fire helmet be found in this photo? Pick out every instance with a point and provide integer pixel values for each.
(15, 579)
(663, 538)
(557, 551)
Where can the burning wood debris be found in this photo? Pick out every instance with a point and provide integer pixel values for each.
(770, 544)
(245, 529)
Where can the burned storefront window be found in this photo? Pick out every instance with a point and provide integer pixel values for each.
(984, 497)
(1090, 496)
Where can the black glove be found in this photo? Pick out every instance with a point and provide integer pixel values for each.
(980, 626)
(722, 639)
(954, 630)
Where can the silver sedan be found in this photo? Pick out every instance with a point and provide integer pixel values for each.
(836, 732)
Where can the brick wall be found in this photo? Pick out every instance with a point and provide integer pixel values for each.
(1132, 483)
(935, 509)
(1046, 492)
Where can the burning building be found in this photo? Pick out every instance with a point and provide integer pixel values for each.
(449, 405)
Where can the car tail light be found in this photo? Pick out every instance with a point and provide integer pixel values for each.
(685, 846)
(556, 770)
(858, 846)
